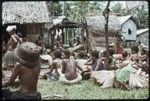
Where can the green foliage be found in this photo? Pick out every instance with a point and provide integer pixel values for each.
(76, 10)
(118, 9)
(57, 9)
(141, 15)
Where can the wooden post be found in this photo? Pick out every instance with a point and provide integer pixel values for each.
(106, 15)
(87, 36)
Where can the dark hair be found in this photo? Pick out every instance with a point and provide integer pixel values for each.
(139, 42)
(95, 53)
(124, 53)
(67, 53)
(111, 52)
(104, 54)
(57, 54)
(135, 48)
(20, 35)
(110, 60)
(144, 50)
(81, 55)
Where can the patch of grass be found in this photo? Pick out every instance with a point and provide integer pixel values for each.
(88, 90)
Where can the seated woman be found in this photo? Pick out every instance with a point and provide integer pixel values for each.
(92, 63)
(123, 61)
(69, 73)
(134, 57)
(81, 60)
(27, 69)
(143, 60)
(56, 66)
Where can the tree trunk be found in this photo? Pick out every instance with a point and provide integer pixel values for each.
(106, 15)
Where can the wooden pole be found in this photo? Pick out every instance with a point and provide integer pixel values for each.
(106, 15)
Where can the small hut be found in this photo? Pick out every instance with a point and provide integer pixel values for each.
(31, 18)
(65, 28)
(96, 28)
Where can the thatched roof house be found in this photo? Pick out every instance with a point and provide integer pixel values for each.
(96, 27)
(25, 12)
(31, 18)
(97, 24)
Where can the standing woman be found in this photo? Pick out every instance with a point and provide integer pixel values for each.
(9, 59)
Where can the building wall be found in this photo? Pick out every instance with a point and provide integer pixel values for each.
(143, 38)
(125, 30)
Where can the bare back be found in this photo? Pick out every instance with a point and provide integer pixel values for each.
(29, 79)
(58, 66)
(69, 68)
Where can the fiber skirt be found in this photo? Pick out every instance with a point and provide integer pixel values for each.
(9, 59)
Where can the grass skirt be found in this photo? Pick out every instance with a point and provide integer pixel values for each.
(9, 59)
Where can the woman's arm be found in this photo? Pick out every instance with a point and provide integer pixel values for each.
(53, 66)
(78, 66)
(89, 62)
(63, 66)
(14, 75)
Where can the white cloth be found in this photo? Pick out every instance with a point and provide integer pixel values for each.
(81, 63)
(10, 28)
(104, 77)
(63, 79)
(47, 57)
(137, 80)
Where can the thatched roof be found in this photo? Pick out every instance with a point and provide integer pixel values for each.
(25, 12)
(63, 22)
(97, 23)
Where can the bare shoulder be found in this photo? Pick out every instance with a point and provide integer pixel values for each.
(64, 61)
(18, 65)
(16, 36)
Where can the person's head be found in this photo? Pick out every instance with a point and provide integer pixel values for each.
(143, 51)
(104, 54)
(11, 29)
(134, 49)
(55, 47)
(95, 55)
(40, 37)
(111, 51)
(77, 39)
(124, 54)
(63, 55)
(20, 35)
(81, 55)
(48, 51)
(139, 42)
(67, 54)
(57, 54)
(28, 54)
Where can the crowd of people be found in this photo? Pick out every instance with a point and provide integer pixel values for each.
(24, 60)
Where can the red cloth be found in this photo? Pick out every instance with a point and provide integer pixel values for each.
(119, 50)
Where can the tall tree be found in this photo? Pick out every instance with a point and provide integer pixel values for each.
(117, 8)
(106, 15)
